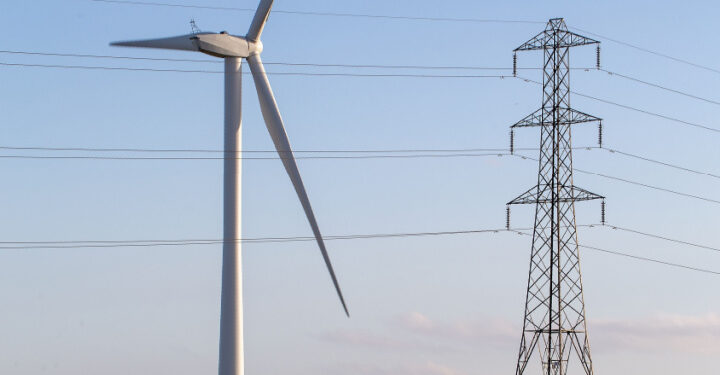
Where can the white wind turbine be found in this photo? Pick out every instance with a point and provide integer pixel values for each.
(233, 49)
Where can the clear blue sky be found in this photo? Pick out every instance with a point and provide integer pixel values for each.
(427, 306)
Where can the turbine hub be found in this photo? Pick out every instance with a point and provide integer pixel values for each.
(256, 47)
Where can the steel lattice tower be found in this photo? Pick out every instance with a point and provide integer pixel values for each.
(555, 309)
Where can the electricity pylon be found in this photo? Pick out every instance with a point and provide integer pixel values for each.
(554, 322)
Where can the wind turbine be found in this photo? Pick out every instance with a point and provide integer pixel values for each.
(233, 49)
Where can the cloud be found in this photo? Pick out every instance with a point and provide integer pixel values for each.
(416, 320)
(427, 368)
(482, 330)
(657, 333)
(416, 335)
(689, 333)
(369, 339)
(415, 331)
(385, 341)
(436, 369)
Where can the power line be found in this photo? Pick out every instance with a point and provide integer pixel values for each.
(85, 149)
(351, 66)
(29, 245)
(301, 64)
(353, 151)
(93, 157)
(631, 182)
(182, 242)
(156, 70)
(412, 156)
(664, 238)
(463, 152)
(665, 117)
(693, 124)
(85, 55)
(658, 86)
(218, 61)
(80, 244)
(637, 257)
(90, 67)
(148, 3)
(658, 188)
(197, 150)
(65, 245)
(444, 19)
(327, 14)
(658, 162)
(295, 64)
(650, 51)
(354, 66)
(394, 156)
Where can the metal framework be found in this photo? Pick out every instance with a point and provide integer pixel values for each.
(554, 323)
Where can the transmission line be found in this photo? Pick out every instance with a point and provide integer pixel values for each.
(310, 13)
(351, 66)
(29, 245)
(319, 65)
(301, 64)
(80, 244)
(637, 257)
(65, 245)
(195, 150)
(117, 57)
(693, 124)
(650, 259)
(156, 70)
(649, 186)
(355, 151)
(444, 19)
(658, 188)
(662, 163)
(93, 157)
(664, 238)
(379, 75)
(658, 86)
(413, 156)
(650, 51)
(393, 156)
(665, 117)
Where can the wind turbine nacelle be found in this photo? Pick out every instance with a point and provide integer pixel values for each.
(214, 44)
(226, 45)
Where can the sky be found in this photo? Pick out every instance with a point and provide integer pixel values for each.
(438, 305)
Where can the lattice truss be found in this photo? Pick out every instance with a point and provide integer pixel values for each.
(554, 324)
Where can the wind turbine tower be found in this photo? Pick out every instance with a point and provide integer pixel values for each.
(233, 49)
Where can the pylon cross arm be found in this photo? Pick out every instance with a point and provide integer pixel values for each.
(555, 38)
(544, 117)
(538, 194)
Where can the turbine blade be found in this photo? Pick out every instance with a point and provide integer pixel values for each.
(182, 43)
(274, 124)
(258, 22)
